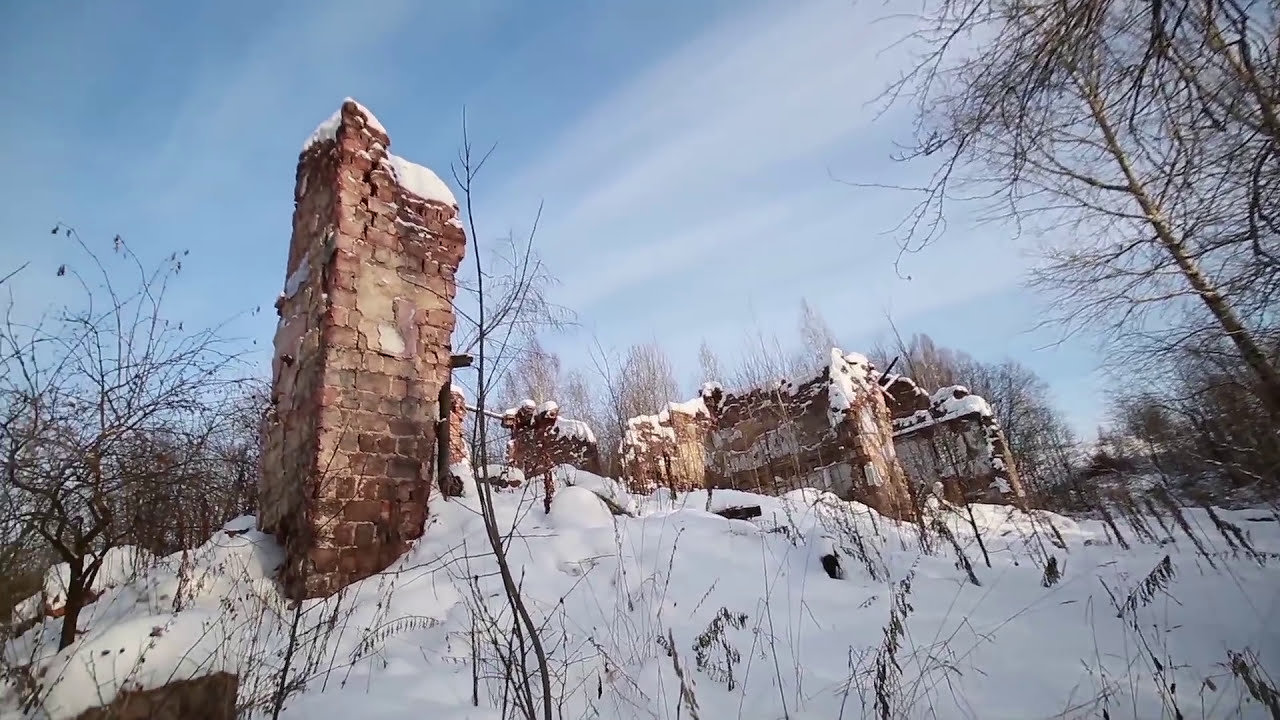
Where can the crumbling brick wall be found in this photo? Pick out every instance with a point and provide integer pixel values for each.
(956, 441)
(459, 450)
(361, 352)
(831, 431)
(667, 449)
(541, 439)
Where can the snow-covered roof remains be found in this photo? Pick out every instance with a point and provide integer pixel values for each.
(420, 181)
(948, 403)
(414, 178)
(850, 379)
(548, 412)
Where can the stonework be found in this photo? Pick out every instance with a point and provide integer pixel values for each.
(361, 353)
(831, 432)
(541, 439)
(459, 449)
(952, 438)
(668, 449)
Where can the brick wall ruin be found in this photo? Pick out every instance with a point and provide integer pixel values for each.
(953, 438)
(459, 449)
(831, 432)
(669, 449)
(541, 439)
(361, 353)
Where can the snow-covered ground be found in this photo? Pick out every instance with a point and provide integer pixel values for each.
(742, 610)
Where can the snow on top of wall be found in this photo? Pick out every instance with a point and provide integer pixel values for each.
(642, 427)
(574, 429)
(298, 277)
(562, 426)
(369, 118)
(414, 178)
(420, 181)
(693, 407)
(849, 373)
(948, 403)
(328, 130)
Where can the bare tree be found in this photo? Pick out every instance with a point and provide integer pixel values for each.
(708, 364)
(816, 340)
(103, 412)
(494, 333)
(1144, 135)
(533, 374)
(648, 381)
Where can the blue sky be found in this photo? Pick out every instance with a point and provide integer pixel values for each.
(684, 151)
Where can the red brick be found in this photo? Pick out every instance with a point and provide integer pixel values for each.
(373, 382)
(403, 467)
(362, 511)
(365, 534)
(341, 395)
(323, 559)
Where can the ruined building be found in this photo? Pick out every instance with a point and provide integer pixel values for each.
(952, 437)
(541, 439)
(361, 354)
(830, 432)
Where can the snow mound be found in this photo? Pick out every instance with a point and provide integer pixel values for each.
(579, 508)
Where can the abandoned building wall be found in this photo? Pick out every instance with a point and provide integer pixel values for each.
(831, 432)
(667, 449)
(541, 440)
(957, 442)
(905, 396)
(459, 449)
(361, 352)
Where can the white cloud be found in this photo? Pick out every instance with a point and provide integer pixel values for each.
(718, 153)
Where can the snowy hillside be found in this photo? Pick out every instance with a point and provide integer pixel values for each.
(678, 612)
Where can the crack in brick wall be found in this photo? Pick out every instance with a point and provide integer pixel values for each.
(362, 349)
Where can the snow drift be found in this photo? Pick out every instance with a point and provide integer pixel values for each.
(739, 617)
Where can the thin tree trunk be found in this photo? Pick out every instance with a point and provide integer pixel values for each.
(1224, 314)
(75, 601)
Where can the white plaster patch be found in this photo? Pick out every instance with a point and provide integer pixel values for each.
(390, 341)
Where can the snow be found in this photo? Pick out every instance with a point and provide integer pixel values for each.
(574, 429)
(171, 618)
(848, 376)
(414, 178)
(119, 565)
(298, 277)
(420, 181)
(325, 131)
(579, 508)
(603, 589)
(328, 130)
(945, 406)
(369, 117)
